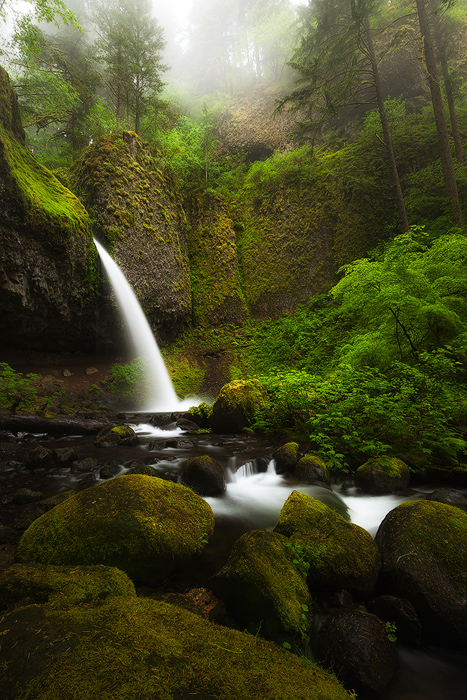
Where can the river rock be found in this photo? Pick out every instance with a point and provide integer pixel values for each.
(450, 497)
(112, 436)
(147, 649)
(339, 554)
(423, 546)
(286, 458)
(143, 525)
(236, 406)
(355, 645)
(311, 469)
(262, 588)
(23, 584)
(401, 613)
(204, 475)
(382, 475)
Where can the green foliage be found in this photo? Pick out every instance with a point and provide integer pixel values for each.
(127, 381)
(391, 630)
(17, 390)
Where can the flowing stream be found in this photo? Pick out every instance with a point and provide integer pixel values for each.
(161, 393)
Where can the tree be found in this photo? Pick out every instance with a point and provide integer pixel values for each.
(429, 58)
(338, 70)
(130, 45)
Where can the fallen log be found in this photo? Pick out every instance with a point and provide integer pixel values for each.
(58, 425)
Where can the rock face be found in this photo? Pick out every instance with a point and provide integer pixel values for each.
(46, 251)
(423, 547)
(138, 217)
(261, 587)
(141, 524)
(212, 246)
(339, 554)
(144, 649)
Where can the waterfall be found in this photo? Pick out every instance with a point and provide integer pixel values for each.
(161, 393)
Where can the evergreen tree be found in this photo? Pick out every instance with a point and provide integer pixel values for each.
(130, 45)
(338, 71)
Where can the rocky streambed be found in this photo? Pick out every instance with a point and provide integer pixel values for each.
(273, 554)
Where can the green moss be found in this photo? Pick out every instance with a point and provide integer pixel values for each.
(141, 649)
(143, 525)
(64, 586)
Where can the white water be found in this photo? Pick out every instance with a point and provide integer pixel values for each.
(160, 390)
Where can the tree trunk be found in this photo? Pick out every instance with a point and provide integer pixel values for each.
(401, 211)
(438, 110)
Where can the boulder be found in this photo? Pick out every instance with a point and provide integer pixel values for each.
(111, 436)
(143, 649)
(286, 457)
(236, 406)
(401, 613)
(204, 475)
(450, 497)
(143, 525)
(382, 475)
(337, 554)
(311, 469)
(355, 645)
(262, 588)
(423, 547)
(66, 586)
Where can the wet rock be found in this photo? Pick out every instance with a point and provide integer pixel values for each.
(144, 469)
(108, 471)
(400, 612)
(311, 469)
(66, 455)
(423, 547)
(286, 458)
(116, 435)
(203, 475)
(354, 644)
(85, 465)
(180, 443)
(41, 458)
(450, 497)
(236, 406)
(35, 510)
(24, 495)
(159, 419)
(188, 426)
(382, 475)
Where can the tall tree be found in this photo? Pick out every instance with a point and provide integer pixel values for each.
(338, 71)
(130, 45)
(429, 59)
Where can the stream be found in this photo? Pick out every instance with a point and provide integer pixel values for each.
(254, 497)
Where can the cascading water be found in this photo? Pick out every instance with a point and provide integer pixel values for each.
(161, 393)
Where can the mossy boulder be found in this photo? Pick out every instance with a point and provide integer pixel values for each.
(423, 548)
(311, 469)
(138, 217)
(286, 457)
(382, 475)
(355, 645)
(340, 554)
(143, 525)
(204, 475)
(116, 435)
(236, 406)
(262, 588)
(47, 266)
(142, 649)
(65, 586)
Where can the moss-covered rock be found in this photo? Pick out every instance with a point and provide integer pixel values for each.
(236, 406)
(143, 525)
(64, 586)
(382, 475)
(262, 588)
(340, 554)
(286, 457)
(141, 649)
(423, 547)
(204, 475)
(311, 469)
(47, 266)
(116, 435)
(215, 276)
(137, 212)
(354, 644)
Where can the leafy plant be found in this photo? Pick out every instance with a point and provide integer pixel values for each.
(391, 630)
